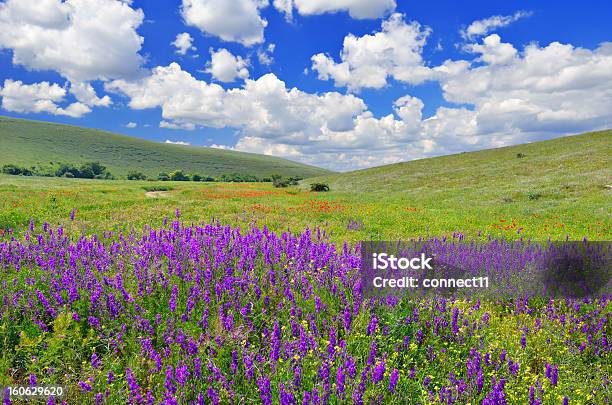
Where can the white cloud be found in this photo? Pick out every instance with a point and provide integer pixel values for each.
(359, 9)
(225, 67)
(264, 105)
(183, 43)
(187, 126)
(177, 142)
(38, 98)
(285, 7)
(556, 88)
(483, 27)
(224, 147)
(86, 94)
(493, 51)
(367, 61)
(264, 55)
(131, 125)
(82, 40)
(234, 21)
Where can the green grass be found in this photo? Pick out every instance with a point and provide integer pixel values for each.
(556, 191)
(28, 143)
(573, 165)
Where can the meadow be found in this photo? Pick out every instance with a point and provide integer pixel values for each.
(46, 145)
(180, 292)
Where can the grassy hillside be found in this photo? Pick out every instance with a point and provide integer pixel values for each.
(26, 143)
(567, 167)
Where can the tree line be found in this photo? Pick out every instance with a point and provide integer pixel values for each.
(95, 170)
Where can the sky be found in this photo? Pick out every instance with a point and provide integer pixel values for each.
(342, 84)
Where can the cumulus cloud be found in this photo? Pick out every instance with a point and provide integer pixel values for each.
(82, 40)
(85, 93)
(225, 67)
(233, 21)
(177, 142)
(183, 43)
(187, 126)
(493, 51)
(38, 98)
(368, 61)
(264, 105)
(131, 125)
(556, 88)
(483, 27)
(359, 9)
(264, 55)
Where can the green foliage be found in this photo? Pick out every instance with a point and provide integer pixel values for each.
(136, 175)
(16, 170)
(319, 187)
(91, 170)
(88, 170)
(279, 181)
(196, 177)
(178, 175)
(163, 176)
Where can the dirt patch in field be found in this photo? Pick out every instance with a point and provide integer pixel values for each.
(157, 194)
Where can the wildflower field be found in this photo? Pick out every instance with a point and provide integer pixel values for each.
(243, 293)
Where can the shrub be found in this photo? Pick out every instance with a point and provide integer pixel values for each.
(319, 187)
(196, 177)
(534, 195)
(520, 155)
(67, 168)
(16, 170)
(280, 182)
(90, 170)
(293, 181)
(135, 175)
(178, 175)
(234, 177)
(163, 176)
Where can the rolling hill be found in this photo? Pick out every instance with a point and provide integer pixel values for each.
(566, 167)
(27, 143)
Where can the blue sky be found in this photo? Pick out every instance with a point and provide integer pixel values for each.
(414, 81)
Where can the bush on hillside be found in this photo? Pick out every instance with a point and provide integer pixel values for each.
(88, 170)
(16, 170)
(136, 175)
(278, 181)
(319, 187)
(163, 176)
(93, 170)
(178, 175)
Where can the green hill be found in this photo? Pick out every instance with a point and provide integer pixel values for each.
(566, 167)
(28, 143)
